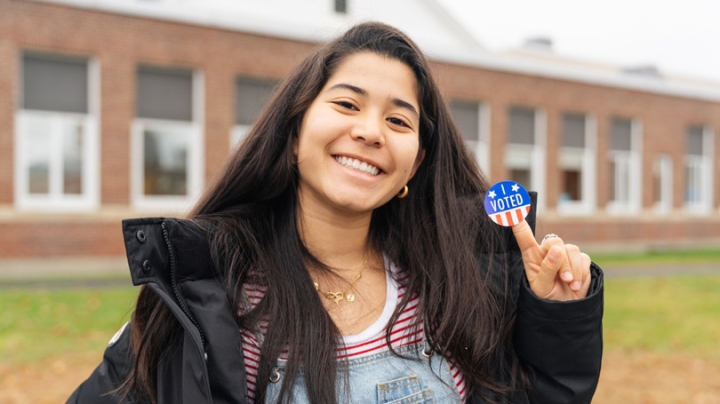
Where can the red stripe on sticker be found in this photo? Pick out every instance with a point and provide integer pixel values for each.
(508, 216)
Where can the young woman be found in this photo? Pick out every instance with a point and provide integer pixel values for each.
(344, 255)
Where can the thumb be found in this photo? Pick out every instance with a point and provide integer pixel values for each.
(545, 278)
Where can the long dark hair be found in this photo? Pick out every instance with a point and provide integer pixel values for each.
(439, 235)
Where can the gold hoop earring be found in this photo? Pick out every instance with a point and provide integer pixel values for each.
(403, 193)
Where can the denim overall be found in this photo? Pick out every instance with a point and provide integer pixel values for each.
(383, 378)
(419, 376)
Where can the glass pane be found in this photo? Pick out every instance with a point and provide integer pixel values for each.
(657, 180)
(692, 182)
(621, 134)
(251, 97)
(620, 179)
(38, 154)
(573, 132)
(522, 126)
(54, 83)
(466, 115)
(522, 177)
(164, 93)
(72, 137)
(341, 6)
(695, 141)
(165, 162)
(572, 189)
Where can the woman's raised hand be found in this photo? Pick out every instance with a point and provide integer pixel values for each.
(555, 270)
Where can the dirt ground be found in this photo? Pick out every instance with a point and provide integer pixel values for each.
(627, 378)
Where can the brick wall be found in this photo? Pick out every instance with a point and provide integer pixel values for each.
(120, 43)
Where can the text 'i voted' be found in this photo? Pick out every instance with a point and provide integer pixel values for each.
(507, 203)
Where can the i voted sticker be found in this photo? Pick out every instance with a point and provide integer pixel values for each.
(507, 203)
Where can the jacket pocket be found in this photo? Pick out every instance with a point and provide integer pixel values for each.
(406, 390)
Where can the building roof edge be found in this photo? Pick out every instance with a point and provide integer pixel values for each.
(479, 58)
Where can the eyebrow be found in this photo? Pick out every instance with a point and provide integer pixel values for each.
(396, 101)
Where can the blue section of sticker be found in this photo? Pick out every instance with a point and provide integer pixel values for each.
(507, 203)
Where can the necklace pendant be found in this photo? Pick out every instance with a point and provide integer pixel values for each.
(350, 297)
(336, 296)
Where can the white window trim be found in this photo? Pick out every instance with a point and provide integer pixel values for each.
(55, 201)
(588, 169)
(238, 133)
(634, 167)
(705, 163)
(195, 157)
(664, 205)
(481, 147)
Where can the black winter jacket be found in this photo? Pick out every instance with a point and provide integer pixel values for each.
(558, 343)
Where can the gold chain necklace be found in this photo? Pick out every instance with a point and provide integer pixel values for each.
(339, 296)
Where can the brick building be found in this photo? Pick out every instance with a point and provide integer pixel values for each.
(124, 108)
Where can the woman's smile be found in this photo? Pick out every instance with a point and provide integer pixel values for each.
(358, 165)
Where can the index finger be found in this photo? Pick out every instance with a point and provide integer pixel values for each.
(524, 236)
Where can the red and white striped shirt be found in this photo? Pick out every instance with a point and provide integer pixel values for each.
(371, 341)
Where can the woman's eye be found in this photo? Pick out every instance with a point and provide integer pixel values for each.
(346, 104)
(398, 121)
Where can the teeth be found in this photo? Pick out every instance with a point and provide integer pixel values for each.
(358, 165)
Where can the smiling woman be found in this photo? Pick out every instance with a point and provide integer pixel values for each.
(345, 255)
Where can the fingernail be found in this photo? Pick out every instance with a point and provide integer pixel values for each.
(575, 285)
(553, 254)
(567, 275)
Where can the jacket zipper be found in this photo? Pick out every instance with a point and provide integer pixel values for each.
(176, 290)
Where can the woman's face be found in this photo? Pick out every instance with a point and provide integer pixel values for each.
(359, 140)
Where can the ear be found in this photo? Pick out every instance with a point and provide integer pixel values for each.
(418, 160)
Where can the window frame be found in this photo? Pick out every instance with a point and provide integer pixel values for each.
(664, 164)
(56, 200)
(195, 164)
(531, 157)
(583, 159)
(704, 165)
(630, 162)
(480, 147)
(239, 131)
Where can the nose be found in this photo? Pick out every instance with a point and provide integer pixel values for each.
(369, 130)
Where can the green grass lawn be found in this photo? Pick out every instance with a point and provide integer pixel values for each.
(661, 314)
(35, 324)
(664, 314)
(652, 257)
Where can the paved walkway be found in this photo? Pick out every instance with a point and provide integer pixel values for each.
(64, 272)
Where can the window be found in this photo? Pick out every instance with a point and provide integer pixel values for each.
(341, 6)
(167, 139)
(662, 184)
(57, 156)
(577, 164)
(698, 170)
(473, 119)
(624, 166)
(525, 155)
(251, 96)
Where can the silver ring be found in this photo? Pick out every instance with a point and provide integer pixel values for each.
(425, 353)
(551, 235)
(274, 376)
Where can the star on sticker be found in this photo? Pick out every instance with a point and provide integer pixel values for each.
(515, 187)
(491, 194)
